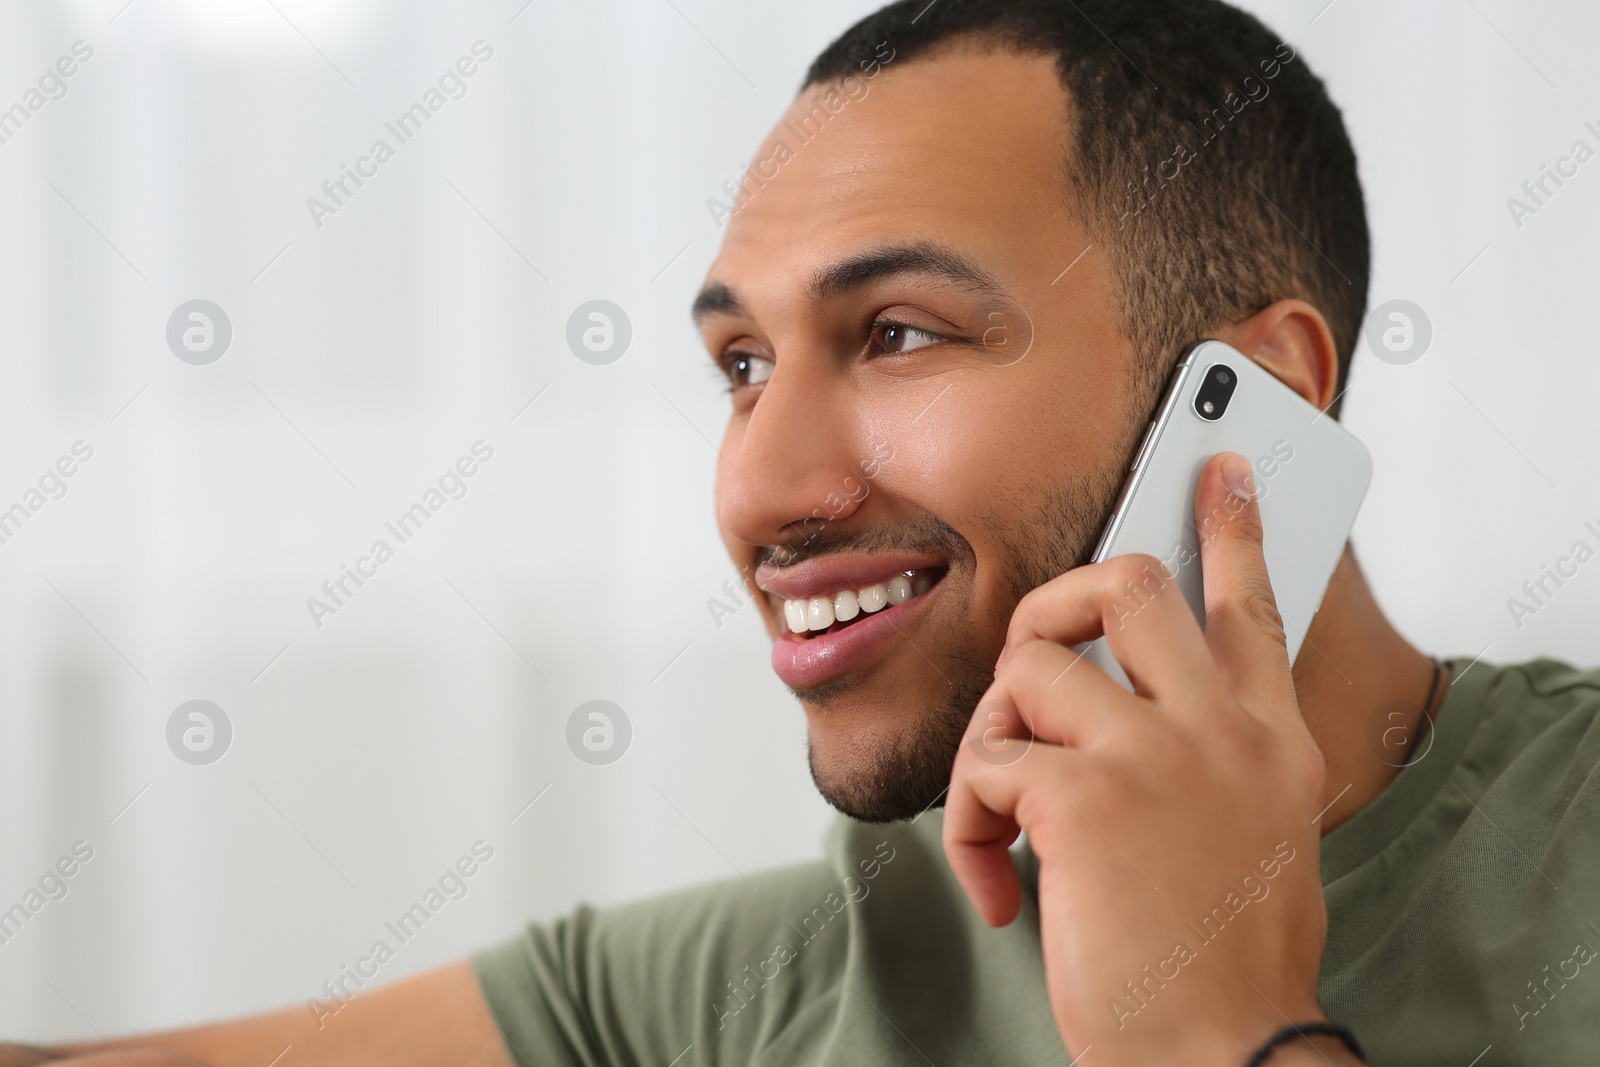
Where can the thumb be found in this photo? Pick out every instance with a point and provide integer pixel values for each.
(1243, 628)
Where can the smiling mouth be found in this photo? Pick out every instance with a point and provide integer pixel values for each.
(810, 617)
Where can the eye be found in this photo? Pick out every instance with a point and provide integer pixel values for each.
(746, 369)
(890, 337)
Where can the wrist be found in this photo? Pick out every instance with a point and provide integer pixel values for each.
(1312, 1041)
(1316, 1050)
(1235, 1041)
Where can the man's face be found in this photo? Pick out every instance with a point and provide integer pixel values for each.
(922, 389)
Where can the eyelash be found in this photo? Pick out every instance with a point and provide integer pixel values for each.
(725, 365)
(878, 324)
(724, 368)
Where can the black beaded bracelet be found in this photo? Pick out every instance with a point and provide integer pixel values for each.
(1293, 1033)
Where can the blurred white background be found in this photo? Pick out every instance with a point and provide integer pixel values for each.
(372, 351)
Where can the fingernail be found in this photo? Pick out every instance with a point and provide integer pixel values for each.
(1236, 476)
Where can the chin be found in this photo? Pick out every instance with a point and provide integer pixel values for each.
(879, 762)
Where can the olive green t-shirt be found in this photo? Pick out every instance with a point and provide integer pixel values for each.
(1463, 908)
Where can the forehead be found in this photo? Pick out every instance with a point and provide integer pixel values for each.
(965, 148)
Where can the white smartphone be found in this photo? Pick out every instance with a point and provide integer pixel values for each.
(1310, 476)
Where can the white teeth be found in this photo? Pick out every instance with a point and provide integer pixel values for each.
(819, 613)
(873, 598)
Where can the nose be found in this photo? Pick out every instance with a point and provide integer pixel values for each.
(791, 466)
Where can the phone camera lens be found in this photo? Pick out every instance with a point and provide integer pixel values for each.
(1216, 389)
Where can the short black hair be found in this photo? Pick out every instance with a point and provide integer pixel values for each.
(1206, 156)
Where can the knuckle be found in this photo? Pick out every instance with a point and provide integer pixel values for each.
(1025, 617)
(1035, 607)
(1255, 742)
(1086, 792)
(990, 723)
(1262, 609)
(1311, 764)
(1028, 659)
(1135, 565)
(1045, 815)
(1247, 523)
(1138, 574)
(1234, 519)
(1254, 605)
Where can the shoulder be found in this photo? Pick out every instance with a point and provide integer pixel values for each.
(1553, 680)
(1465, 886)
(1542, 708)
(1533, 756)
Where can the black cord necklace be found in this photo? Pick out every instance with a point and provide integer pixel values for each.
(1427, 709)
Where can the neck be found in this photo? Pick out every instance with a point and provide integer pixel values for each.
(1359, 682)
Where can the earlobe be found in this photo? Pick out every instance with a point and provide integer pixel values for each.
(1291, 339)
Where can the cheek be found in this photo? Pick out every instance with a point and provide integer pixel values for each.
(975, 452)
(991, 453)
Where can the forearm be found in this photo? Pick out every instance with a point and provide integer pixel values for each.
(31, 1056)
(435, 1017)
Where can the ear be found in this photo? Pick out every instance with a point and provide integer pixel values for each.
(1291, 339)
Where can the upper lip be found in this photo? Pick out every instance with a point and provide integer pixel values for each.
(829, 574)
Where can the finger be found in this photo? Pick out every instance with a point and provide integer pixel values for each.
(1134, 602)
(1243, 628)
(980, 857)
(980, 825)
(1051, 693)
(998, 732)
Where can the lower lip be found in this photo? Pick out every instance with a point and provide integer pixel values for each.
(805, 662)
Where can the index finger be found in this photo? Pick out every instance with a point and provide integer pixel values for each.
(1135, 604)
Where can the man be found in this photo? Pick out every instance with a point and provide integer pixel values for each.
(952, 285)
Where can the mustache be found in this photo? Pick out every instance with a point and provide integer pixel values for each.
(928, 535)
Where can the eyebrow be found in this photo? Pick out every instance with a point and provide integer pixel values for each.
(923, 258)
(715, 299)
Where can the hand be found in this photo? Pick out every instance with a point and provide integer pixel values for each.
(1180, 902)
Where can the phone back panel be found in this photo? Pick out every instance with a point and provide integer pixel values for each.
(1310, 477)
